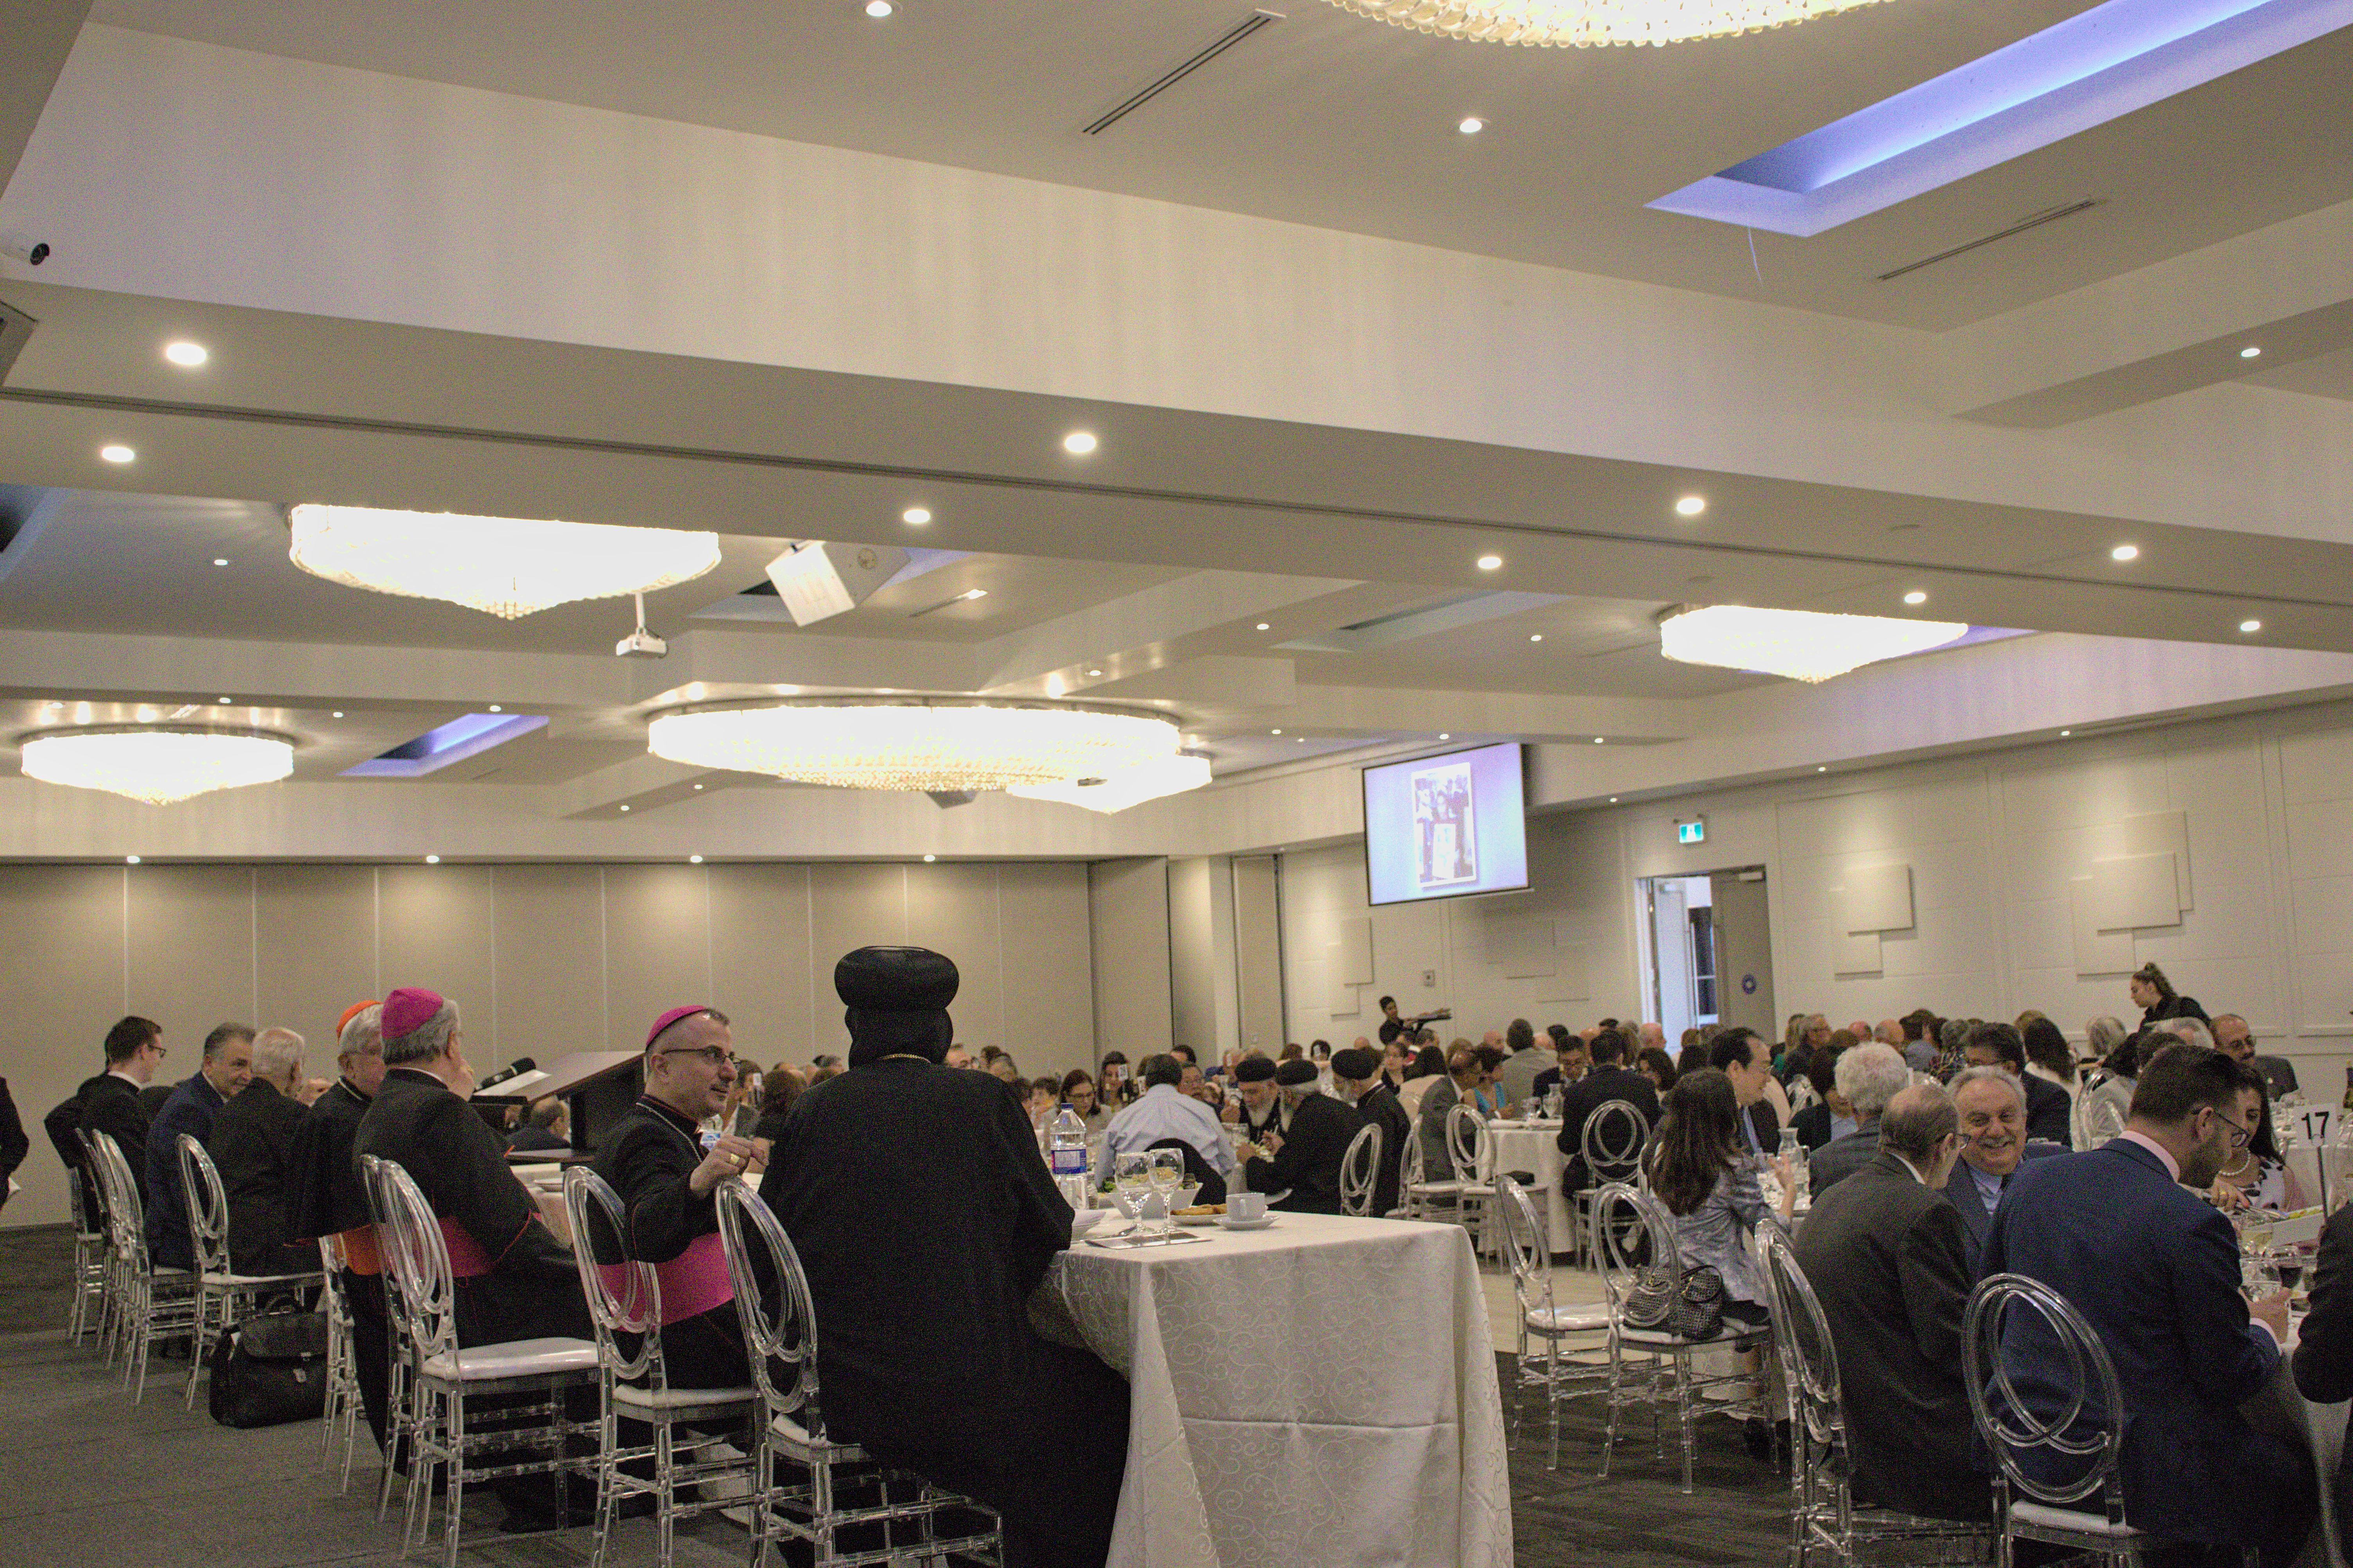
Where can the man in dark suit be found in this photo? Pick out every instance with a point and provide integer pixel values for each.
(1869, 1077)
(1991, 1105)
(323, 1196)
(253, 1146)
(195, 1105)
(1304, 1162)
(1741, 1055)
(2324, 1350)
(1609, 1079)
(1830, 1117)
(924, 1216)
(1357, 1072)
(109, 1103)
(2049, 1107)
(1572, 1059)
(2124, 1235)
(1887, 1261)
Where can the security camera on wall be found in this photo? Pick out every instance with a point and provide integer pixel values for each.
(817, 580)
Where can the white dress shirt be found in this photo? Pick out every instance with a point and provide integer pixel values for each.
(1165, 1113)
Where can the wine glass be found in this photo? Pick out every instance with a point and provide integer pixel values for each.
(1167, 1175)
(1131, 1179)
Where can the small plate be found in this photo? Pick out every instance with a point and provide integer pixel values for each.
(1230, 1223)
(1196, 1219)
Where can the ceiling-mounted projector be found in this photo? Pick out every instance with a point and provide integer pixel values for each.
(817, 580)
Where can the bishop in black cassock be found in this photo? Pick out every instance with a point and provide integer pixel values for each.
(1358, 1073)
(1305, 1166)
(324, 1198)
(924, 1216)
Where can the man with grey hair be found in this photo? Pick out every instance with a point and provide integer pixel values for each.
(1867, 1077)
(253, 1147)
(323, 1196)
(192, 1107)
(1517, 1076)
(2050, 1110)
(1991, 1106)
(1889, 1264)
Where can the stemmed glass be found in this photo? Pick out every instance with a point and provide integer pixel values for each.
(1131, 1179)
(1167, 1175)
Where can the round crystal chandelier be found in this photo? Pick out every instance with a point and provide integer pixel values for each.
(912, 743)
(1129, 786)
(504, 565)
(1801, 644)
(1584, 24)
(158, 765)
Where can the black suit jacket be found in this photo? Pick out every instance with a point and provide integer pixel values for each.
(2324, 1350)
(1308, 1163)
(1381, 1107)
(105, 1104)
(322, 1182)
(1813, 1125)
(1589, 1094)
(13, 1144)
(253, 1146)
(1888, 1263)
(2048, 1112)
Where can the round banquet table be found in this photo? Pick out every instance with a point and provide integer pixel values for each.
(2319, 1429)
(1536, 1146)
(1278, 1416)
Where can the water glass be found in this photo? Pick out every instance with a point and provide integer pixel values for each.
(1130, 1181)
(1168, 1175)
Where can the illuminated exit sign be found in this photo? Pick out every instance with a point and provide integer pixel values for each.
(1692, 832)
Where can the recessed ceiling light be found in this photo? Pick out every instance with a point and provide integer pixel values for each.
(1691, 506)
(698, 786)
(339, 712)
(1445, 737)
(625, 808)
(929, 858)
(184, 353)
(433, 860)
(1299, 740)
(1613, 800)
(694, 859)
(225, 701)
(878, 9)
(1094, 672)
(1490, 563)
(117, 453)
(2124, 552)
(917, 515)
(1471, 125)
(1274, 732)
(131, 859)
(1821, 768)
(220, 560)
(1264, 627)
(2251, 351)
(2064, 733)
(2250, 626)
(1598, 739)
(496, 709)
(1078, 443)
(1535, 636)
(1915, 597)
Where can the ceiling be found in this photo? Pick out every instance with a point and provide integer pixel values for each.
(1337, 121)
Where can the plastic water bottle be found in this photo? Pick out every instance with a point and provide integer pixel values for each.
(1801, 1179)
(1067, 1155)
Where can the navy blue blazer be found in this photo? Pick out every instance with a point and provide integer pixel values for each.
(1961, 1192)
(2155, 1270)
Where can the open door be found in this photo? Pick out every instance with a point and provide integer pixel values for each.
(1743, 951)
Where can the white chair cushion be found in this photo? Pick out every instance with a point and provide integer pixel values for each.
(685, 1401)
(796, 1439)
(1728, 1336)
(2043, 1516)
(1568, 1319)
(515, 1358)
(242, 1281)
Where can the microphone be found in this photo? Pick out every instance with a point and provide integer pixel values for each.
(514, 1069)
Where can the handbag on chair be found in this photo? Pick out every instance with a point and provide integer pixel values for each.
(1693, 1313)
(270, 1369)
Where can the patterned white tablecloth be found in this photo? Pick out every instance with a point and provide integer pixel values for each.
(1536, 1148)
(1278, 1415)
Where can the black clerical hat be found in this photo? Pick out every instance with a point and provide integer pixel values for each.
(895, 980)
(1253, 1069)
(1295, 1072)
(1355, 1065)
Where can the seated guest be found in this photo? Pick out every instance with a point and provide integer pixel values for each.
(1045, 1098)
(109, 1103)
(1888, 1262)
(2049, 1107)
(1991, 1108)
(1002, 1067)
(1572, 1059)
(1079, 1094)
(1609, 1079)
(1741, 1055)
(13, 1144)
(227, 1068)
(1708, 1182)
(253, 1147)
(1522, 1065)
(654, 1159)
(1256, 1109)
(1396, 1063)
(1428, 1071)
(1356, 1072)
(1920, 1043)
(1866, 1078)
(924, 1218)
(2048, 1055)
(1461, 1082)
(546, 1126)
(779, 1090)
(1114, 1085)
(1488, 1099)
(2257, 1176)
(1658, 1066)
(323, 1196)
(2122, 1233)
(1193, 1086)
(1302, 1160)
(1162, 1113)
(1832, 1116)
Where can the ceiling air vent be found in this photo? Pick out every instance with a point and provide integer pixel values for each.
(1257, 21)
(2033, 220)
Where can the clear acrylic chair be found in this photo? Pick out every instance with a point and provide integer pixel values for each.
(1822, 1512)
(343, 1413)
(801, 1475)
(625, 1298)
(88, 1312)
(1542, 1320)
(1613, 1139)
(1360, 1169)
(400, 1351)
(2080, 1442)
(1653, 1366)
(223, 1297)
(151, 1305)
(443, 1377)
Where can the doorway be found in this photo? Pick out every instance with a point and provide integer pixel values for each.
(1709, 950)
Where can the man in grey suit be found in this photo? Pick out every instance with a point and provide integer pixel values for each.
(1462, 1078)
(1887, 1261)
(1991, 1105)
(1867, 1077)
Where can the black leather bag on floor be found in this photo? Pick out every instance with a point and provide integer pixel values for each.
(270, 1369)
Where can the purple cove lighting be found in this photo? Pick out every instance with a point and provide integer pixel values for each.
(466, 736)
(2093, 68)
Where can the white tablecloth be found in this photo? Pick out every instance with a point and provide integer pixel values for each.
(1279, 1415)
(1538, 1149)
(2321, 1428)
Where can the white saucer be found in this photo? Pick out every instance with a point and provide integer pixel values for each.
(1230, 1223)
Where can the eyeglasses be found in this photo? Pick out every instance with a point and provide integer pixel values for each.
(717, 1055)
(2239, 1136)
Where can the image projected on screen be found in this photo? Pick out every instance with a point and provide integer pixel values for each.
(1446, 827)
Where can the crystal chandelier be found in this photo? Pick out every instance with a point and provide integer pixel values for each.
(1798, 644)
(1582, 23)
(912, 743)
(507, 566)
(157, 765)
(1129, 786)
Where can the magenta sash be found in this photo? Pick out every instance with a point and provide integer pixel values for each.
(467, 1261)
(692, 1283)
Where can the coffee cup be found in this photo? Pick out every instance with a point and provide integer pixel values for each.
(1245, 1206)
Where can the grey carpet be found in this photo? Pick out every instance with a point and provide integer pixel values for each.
(88, 1480)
